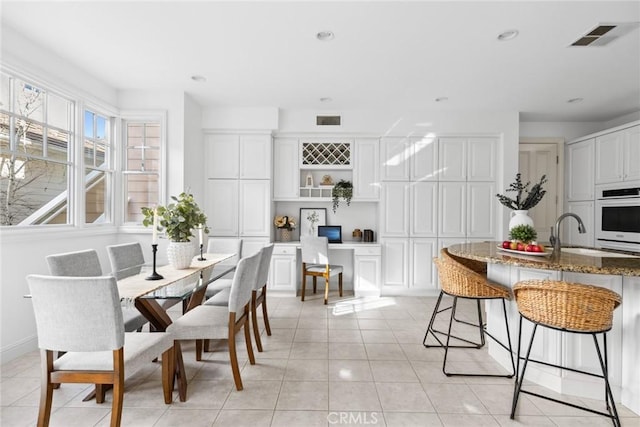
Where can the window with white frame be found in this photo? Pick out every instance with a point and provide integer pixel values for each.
(98, 169)
(36, 135)
(142, 166)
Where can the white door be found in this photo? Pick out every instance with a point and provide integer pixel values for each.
(536, 160)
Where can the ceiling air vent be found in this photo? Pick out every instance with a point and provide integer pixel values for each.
(604, 34)
(328, 120)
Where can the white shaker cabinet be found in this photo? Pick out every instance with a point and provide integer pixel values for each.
(467, 159)
(254, 208)
(422, 269)
(579, 171)
(285, 169)
(452, 155)
(222, 207)
(452, 204)
(367, 271)
(586, 211)
(395, 158)
(238, 156)
(283, 270)
(395, 256)
(423, 199)
(394, 221)
(424, 159)
(481, 209)
(366, 174)
(618, 156)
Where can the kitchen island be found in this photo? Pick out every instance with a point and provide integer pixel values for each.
(613, 270)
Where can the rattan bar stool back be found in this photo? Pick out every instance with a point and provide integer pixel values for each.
(572, 308)
(465, 278)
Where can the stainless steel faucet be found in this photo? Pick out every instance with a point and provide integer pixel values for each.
(554, 239)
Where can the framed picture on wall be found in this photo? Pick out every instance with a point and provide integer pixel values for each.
(310, 219)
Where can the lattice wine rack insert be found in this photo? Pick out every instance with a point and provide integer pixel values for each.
(326, 153)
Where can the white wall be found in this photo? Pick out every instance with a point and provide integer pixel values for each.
(193, 149)
(237, 118)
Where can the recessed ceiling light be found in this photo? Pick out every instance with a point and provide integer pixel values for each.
(508, 35)
(442, 99)
(326, 99)
(325, 36)
(199, 78)
(575, 100)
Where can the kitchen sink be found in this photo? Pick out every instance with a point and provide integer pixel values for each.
(596, 253)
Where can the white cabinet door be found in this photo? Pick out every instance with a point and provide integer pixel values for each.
(285, 169)
(452, 209)
(424, 159)
(282, 276)
(580, 165)
(423, 273)
(366, 176)
(255, 156)
(366, 275)
(255, 212)
(452, 155)
(424, 211)
(222, 156)
(395, 209)
(609, 157)
(586, 211)
(395, 158)
(222, 207)
(482, 159)
(632, 153)
(481, 211)
(395, 263)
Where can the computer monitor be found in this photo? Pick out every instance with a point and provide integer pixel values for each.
(331, 232)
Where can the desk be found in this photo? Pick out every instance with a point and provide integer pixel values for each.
(188, 285)
(284, 274)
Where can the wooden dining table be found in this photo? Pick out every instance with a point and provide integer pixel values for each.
(186, 285)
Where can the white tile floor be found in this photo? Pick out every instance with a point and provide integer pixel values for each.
(353, 362)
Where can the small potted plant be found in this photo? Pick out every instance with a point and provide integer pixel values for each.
(178, 220)
(343, 189)
(525, 199)
(285, 224)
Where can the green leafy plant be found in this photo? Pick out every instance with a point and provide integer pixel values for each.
(177, 219)
(523, 233)
(343, 189)
(525, 198)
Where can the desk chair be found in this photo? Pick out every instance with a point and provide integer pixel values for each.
(572, 308)
(258, 296)
(86, 263)
(466, 281)
(216, 322)
(315, 263)
(82, 316)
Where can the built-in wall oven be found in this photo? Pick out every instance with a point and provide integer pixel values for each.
(618, 216)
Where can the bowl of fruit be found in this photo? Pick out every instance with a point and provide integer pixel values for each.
(523, 241)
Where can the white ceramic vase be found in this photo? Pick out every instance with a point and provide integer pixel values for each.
(180, 254)
(520, 217)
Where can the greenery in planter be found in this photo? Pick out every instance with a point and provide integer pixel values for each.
(522, 201)
(177, 219)
(343, 189)
(523, 233)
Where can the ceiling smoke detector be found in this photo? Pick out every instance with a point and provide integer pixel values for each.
(603, 34)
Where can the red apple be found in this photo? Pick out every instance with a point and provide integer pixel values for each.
(520, 246)
(506, 244)
(531, 248)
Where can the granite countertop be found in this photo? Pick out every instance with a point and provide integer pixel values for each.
(489, 252)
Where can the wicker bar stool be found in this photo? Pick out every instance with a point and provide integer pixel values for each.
(567, 307)
(465, 278)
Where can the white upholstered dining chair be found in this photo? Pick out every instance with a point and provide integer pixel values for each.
(258, 295)
(223, 323)
(82, 316)
(222, 245)
(86, 263)
(315, 263)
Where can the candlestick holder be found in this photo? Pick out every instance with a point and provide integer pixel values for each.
(154, 275)
(201, 257)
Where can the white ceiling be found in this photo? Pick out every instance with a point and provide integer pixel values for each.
(389, 55)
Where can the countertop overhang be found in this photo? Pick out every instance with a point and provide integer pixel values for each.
(590, 264)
